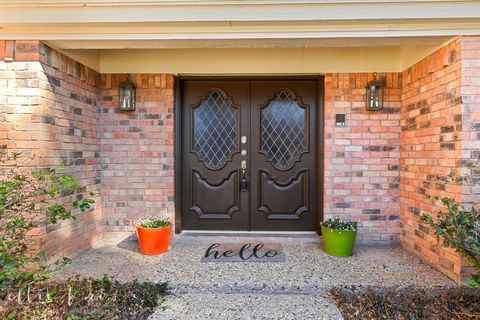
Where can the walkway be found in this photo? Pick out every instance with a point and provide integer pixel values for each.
(294, 289)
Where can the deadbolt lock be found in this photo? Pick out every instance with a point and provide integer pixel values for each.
(243, 181)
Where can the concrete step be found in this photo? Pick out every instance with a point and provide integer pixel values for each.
(210, 306)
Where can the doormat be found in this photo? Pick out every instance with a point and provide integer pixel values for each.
(244, 252)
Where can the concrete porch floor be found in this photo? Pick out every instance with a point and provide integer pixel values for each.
(292, 289)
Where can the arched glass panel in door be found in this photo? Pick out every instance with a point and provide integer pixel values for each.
(283, 130)
(215, 124)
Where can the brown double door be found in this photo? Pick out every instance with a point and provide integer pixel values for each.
(249, 155)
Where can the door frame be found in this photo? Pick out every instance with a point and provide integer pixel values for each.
(178, 114)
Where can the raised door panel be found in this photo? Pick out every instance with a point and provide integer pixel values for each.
(225, 193)
(283, 200)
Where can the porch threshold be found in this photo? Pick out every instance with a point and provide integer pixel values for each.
(251, 233)
(210, 236)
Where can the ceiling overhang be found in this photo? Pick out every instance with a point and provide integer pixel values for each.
(248, 43)
(387, 34)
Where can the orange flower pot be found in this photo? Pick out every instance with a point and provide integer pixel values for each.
(154, 240)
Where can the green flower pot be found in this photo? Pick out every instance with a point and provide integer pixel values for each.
(338, 243)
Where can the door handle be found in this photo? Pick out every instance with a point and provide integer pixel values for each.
(243, 181)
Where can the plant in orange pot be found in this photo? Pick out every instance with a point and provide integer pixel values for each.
(154, 235)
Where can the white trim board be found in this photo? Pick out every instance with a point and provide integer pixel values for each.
(88, 11)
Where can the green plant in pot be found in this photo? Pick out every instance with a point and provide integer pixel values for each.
(154, 235)
(339, 237)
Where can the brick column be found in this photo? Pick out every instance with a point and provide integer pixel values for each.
(48, 110)
(470, 56)
(440, 124)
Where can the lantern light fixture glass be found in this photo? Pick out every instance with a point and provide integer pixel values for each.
(375, 94)
(126, 95)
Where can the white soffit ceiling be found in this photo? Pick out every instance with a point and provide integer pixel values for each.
(248, 43)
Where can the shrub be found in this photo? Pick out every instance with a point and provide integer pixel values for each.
(154, 222)
(406, 302)
(339, 224)
(80, 298)
(29, 199)
(458, 226)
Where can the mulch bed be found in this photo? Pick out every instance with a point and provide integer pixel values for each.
(77, 298)
(407, 303)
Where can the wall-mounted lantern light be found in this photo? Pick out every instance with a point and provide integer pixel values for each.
(126, 96)
(375, 90)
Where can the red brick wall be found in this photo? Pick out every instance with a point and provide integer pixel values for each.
(439, 131)
(137, 153)
(48, 109)
(362, 158)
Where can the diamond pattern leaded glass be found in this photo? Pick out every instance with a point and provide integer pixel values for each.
(283, 132)
(214, 129)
